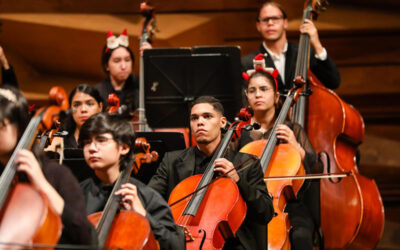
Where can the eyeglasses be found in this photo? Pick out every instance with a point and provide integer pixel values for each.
(99, 141)
(274, 19)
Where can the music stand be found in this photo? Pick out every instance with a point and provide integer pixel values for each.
(175, 77)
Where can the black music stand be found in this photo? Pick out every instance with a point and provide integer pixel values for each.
(175, 77)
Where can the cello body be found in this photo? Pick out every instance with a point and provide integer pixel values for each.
(220, 214)
(352, 214)
(27, 218)
(285, 161)
(123, 235)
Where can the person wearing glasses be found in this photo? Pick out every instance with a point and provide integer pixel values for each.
(272, 23)
(107, 142)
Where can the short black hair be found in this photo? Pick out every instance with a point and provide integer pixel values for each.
(106, 54)
(273, 3)
(121, 130)
(217, 105)
(69, 123)
(14, 108)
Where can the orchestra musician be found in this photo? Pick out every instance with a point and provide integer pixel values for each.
(84, 101)
(206, 122)
(263, 99)
(53, 180)
(107, 143)
(117, 62)
(272, 23)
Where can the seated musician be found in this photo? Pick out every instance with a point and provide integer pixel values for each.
(206, 122)
(107, 142)
(263, 99)
(55, 181)
(84, 101)
(117, 62)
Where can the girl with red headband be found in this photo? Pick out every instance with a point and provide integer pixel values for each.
(117, 61)
(263, 99)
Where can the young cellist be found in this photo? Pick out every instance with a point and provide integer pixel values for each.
(107, 143)
(206, 122)
(56, 182)
(263, 99)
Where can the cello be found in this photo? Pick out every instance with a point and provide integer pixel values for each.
(352, 214)
(26, 217)
(279, 160)
(206, 219)
(114, 226)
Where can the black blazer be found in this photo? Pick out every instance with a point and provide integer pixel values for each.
(178, 165)
(325, 71)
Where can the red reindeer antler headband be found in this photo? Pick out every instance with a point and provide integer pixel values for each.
(113, 41)
(259, 66)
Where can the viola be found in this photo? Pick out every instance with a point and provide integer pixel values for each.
(206, 219)
(279, 160)
(352, 213)
(26, 216)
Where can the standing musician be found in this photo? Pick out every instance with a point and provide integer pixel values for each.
(206, 122)
(117, 61)
(53, 180)
(272, 23)
(263, 99)
(107, 142)
(84, 101)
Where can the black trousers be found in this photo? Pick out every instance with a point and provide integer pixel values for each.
(301, 233)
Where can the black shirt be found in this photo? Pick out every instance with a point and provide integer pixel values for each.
(76, 228)
(158, 213)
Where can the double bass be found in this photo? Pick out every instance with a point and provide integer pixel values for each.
(352, 214)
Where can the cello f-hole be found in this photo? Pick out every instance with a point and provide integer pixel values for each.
(203, 238)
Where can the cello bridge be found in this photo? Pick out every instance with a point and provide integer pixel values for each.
(188, 235)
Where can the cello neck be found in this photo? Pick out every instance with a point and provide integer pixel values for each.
(195, 201)
(272, 139)
(112, 205)
(10, 170)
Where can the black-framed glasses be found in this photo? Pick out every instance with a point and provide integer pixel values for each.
(274, 19)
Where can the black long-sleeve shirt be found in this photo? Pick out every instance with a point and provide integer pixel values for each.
(178, 165)
(157, 210)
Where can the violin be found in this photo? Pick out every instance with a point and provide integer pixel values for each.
(206, 219)
(352, 213)
(279, 160)
(26, 215)
(58, 100)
